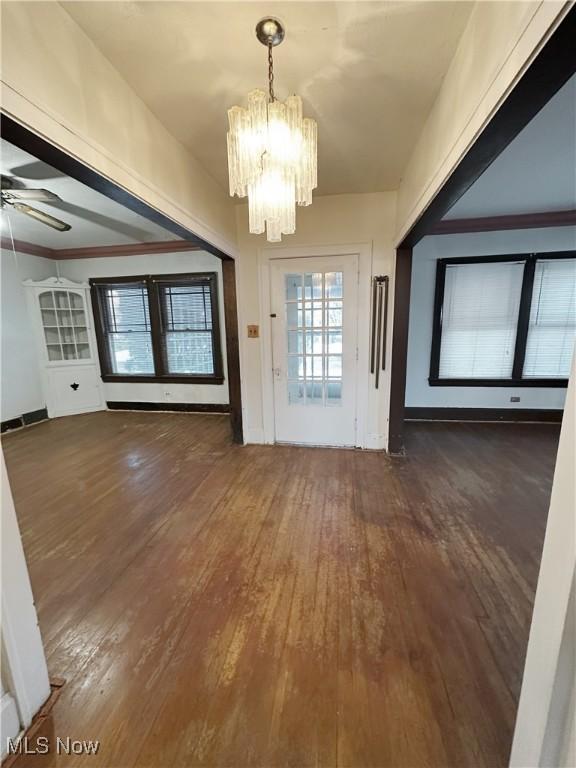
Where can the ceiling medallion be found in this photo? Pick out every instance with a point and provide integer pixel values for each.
(272, 151)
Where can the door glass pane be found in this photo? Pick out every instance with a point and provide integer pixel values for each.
(46, 300)
(52, 335)
(314, 342)
(293, 287)
(314, 392)
(333, 392)
(49, 318)
(334, 339)
(61, 299)
(76, 301)
(295, 367)
(295, 342)
(314, 305)
(54, 352)
(296, 392)
(313, 285)
(334, 285)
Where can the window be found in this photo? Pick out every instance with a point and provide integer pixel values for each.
(552, 320)
(158, 328)
(504, 320)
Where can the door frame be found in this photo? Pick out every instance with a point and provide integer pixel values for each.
(364, 253)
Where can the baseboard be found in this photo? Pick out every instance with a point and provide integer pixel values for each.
(375, 442)
(254, 436)
(483, 414)
(117, 405)
(33, 417)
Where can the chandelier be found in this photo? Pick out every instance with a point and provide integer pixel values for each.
(272, 151)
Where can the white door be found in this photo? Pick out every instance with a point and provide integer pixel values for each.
(314, 349)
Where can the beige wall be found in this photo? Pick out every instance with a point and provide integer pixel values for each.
(57, 82)
(333, 220)
(499, 42)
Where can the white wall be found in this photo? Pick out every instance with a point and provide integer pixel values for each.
(332, 220)
(21, 387)
(81, 270)
(418, 391)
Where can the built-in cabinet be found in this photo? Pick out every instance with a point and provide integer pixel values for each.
(66, 345)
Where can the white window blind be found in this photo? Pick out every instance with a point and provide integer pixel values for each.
(479, 320)
(187, 328)
(127, 327)
(552, 327)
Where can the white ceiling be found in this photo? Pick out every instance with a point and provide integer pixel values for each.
(96, 220)
(367, 71)
(536, 173)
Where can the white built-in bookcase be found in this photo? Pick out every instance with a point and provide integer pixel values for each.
(66, 346)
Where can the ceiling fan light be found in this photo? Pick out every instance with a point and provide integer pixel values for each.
(38, 195)
(45, 218)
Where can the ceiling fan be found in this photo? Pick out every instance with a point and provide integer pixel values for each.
(17, 196)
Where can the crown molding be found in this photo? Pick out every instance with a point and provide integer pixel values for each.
(565, 218)
(100, 251)
(23, 246)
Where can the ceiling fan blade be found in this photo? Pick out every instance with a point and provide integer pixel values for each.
(45, 218)
(38, 195)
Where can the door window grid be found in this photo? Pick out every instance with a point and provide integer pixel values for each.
(65, 327)
(314, 338)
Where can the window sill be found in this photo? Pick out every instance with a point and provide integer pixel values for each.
(552, 383)
(193, 379)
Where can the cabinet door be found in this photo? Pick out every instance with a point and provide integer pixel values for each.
(74, 389)
(65, 323)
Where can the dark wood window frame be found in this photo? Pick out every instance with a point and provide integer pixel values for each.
(516, 380)
(153, 282)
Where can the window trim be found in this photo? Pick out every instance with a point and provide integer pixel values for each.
(516, 380)
(152, 282)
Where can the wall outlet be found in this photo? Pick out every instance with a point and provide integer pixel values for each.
(253, 331)
(167, 394)
(514, 399)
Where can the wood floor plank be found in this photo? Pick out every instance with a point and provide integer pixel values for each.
(217, 605)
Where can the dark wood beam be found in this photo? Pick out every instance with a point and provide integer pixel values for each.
(23, 246)
(43, 150)
(402, 278)
(496, 223)
(129, 249)
(232, 349)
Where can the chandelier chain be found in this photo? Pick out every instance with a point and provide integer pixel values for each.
(270, 73)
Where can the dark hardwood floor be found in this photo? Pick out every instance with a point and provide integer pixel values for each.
(217, 605)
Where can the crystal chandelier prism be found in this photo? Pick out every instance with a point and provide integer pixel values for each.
(272, 152)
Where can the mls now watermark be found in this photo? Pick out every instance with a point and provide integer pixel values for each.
(43, 745)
